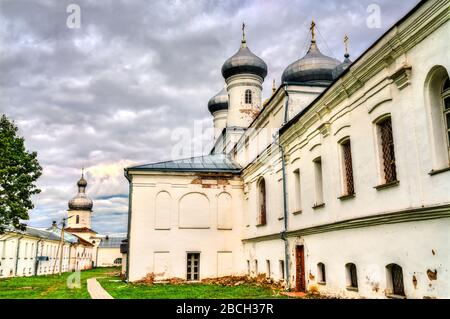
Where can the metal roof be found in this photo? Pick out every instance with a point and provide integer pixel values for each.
(214, 163)
(111, 242)
(45, 233)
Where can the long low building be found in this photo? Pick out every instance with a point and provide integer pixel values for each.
(40, 251)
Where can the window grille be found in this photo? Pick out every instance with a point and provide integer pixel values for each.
(388, 153)
(446, 105)
(348, 168)
(262, 220)
(193, 266)
(248, 97)
(397, 280)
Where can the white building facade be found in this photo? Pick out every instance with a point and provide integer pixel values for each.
(340, 182)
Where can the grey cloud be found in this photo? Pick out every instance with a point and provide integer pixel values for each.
(112, 93)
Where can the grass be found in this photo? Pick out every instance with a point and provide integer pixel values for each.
(55, 287)
(49, 287)
(121, 290)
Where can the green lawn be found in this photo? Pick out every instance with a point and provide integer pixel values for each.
(122, 290)
(49, 287)
(55, 287)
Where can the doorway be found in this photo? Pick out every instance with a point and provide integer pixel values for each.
(300, 279)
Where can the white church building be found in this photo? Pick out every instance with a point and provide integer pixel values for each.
(340, 181)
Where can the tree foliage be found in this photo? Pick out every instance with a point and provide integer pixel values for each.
(19, 170)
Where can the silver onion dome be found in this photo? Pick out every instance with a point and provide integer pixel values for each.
(218, 102)
(314, 68)
(244, 61)
(81, 201)
(342, 67)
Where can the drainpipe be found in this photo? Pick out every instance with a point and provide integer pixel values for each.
(17, 255)
(285, 215)
(36, 263)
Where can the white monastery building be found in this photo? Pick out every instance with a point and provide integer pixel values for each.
(45, 251)
(339, 182)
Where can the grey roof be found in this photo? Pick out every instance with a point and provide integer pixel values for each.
(244, 61)
(314, 68)
(45, 233)
(214, 163)
(218, 102)
(111, 242)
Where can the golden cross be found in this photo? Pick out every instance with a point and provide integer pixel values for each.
(243, 32)
(346, 43)
(313, 31)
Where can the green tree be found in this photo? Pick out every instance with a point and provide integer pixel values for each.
(19, 169)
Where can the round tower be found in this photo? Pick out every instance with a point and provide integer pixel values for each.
(244, 75)
(218, 107)
(80, 207)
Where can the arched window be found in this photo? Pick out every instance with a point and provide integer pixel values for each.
(395, 280)
(437, 98)
(321, 276)
(388, 167)
(78, 219)
(262, 214)
(445, 97)
(248, 97)
(352, 277)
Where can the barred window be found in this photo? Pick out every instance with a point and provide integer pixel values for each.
(248, 97)
(446, 108)
(318, 181)
(262, 214)
(395, 280)
(77, 219)
(193, 266)
(347, 168)
(389, 169)
(297, 191)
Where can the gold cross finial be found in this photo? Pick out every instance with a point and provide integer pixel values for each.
(346, 43)
(82, 172)
(243, 32)
(274, 87)
(313, 31)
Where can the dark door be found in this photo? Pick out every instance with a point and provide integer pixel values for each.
(300, 280)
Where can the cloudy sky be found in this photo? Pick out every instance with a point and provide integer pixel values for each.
(135, 78)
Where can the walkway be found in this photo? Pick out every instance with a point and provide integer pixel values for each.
(96, 291)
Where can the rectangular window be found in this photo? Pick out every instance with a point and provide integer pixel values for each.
(347, 168)
(268, 268)
(282, 269)
(248, 267)
(297, 192)
(319, 181)
(447, 118)
(389, 170)
(256, 268)
(193, 266)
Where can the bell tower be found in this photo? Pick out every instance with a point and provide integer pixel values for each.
(244, 75)
(80, 207)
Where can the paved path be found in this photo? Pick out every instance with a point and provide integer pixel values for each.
(96, 291)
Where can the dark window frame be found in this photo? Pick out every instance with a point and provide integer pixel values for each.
(248, 96)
